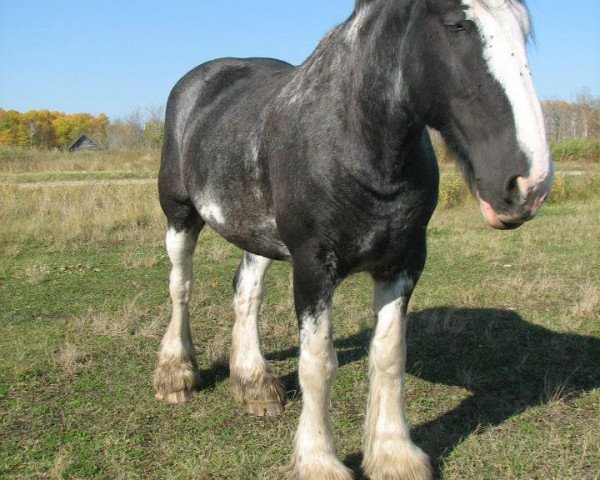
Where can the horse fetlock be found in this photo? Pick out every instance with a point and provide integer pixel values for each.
(319, 468)
(400, 461)
(261, 394)
(176, 379)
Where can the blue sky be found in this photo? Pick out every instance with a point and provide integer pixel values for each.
(115, 56)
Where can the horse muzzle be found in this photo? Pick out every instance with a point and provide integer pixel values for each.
(529, 198)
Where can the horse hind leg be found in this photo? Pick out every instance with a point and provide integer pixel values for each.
(254, 385)
(176, 377)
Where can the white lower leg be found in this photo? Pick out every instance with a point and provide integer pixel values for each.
(314, 451)
(254, 385)
(176, 376)
(389, 453)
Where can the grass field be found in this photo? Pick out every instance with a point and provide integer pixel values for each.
(504, 339)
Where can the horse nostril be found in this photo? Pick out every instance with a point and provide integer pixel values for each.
(516, 191)
(528, 214)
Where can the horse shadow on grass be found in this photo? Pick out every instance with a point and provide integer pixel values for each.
(506, 363)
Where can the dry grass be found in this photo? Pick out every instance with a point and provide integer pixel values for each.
(588, 304)
(133, 258)
(453, 191)
(100, 213)
(86, 213)
(132, 319)
(16, 160)
(70, 358)
(502, 363)
(62, 461)
(35, 274)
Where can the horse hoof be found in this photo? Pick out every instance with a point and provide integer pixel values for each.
(264, 409)
(181, 396)
(176, 381)
(263, 396)
(408, 463)
(327, 470)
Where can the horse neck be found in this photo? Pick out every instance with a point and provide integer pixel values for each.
(358, 64)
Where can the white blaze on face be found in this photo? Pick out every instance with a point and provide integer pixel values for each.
(504, 26)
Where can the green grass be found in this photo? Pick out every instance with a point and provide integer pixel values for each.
(577, 149)
(504, 346)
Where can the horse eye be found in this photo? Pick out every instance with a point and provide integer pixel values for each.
(455, 27)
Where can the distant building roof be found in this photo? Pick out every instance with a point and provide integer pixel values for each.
(84, 143)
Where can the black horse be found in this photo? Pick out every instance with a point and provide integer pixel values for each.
(329, 165)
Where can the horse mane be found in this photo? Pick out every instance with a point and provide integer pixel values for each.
(501, 3)
(361, 3)
(488, 4)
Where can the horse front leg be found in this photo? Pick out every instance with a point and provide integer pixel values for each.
(389, 453)
(176, 377)
(314, 455)
(254, 385)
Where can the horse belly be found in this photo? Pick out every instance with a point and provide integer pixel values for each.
(244, 220)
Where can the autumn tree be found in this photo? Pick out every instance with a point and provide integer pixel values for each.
(45, 129)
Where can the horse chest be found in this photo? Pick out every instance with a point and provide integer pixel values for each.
(384, 242)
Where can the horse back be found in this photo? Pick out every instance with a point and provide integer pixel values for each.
(197, 96)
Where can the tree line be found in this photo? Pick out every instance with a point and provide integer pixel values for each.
(577, 120)
(43, 129)
(55, 130)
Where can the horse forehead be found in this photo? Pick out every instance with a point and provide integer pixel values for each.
(506, 13)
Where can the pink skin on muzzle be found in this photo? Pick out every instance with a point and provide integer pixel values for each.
(509, 222)
(491, 217)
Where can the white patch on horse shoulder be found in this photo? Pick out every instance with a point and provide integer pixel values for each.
(504, 26)
(212, 213)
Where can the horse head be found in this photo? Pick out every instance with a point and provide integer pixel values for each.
(466, 71)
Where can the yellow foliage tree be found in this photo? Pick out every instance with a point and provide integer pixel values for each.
(45, 129)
